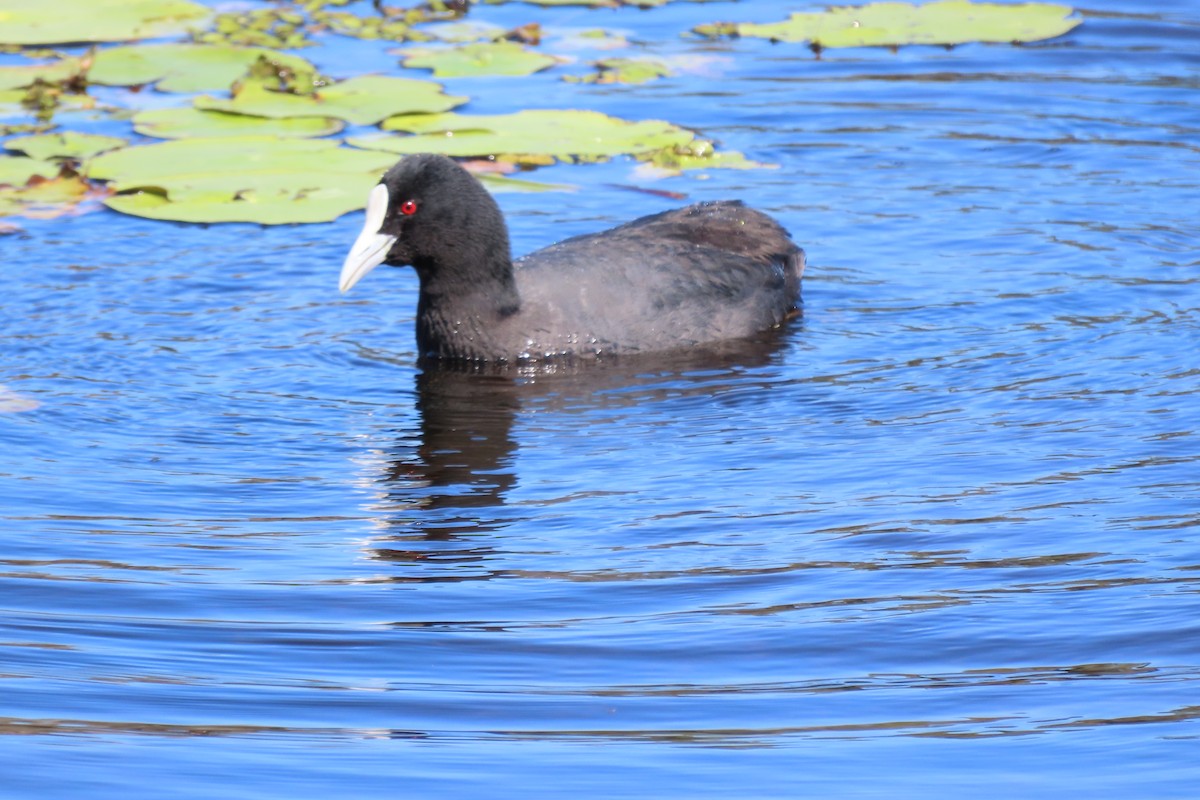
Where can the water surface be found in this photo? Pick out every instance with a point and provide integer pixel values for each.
(940, 534)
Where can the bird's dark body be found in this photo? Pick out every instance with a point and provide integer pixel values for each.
(699, 274)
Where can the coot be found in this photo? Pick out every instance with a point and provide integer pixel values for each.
(704, 273)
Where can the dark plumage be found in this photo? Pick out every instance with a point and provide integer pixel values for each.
(704, 273)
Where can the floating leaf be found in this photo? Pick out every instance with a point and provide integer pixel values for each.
(62, 21)
(945, 22)
(43, 196)
(17, 170)
(623, 70)
(466, 31)
(182, 123)
(361, 101)
(526, 134)
(21, 76)
(503, 183)
(183, 67)
(490, 58)
(262, 179)
(64, 145)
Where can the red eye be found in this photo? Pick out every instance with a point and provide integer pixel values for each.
(408, 207)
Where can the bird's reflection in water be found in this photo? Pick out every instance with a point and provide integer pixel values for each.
(443, 498)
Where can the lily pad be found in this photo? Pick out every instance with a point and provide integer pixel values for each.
(892, 24)
(623, 70)
(485, 58)
(524, 135)
(465, 31)
(41, 195)
(503, 183)
(183, 67)
(61, 21)
(20, 76)
(63, 145)
(182, 123)
(263, 179)
(17, 170)
(360, 101)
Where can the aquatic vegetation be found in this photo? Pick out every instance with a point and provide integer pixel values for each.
(21, 76)
(892, 24)
(278, 28)
(22, 22)
(249, 133)
(184, 123)
(69, 144)
(527, 136)
(365, 100)
(263, 179)
(623, 70)
(185, 67)
(41, 189)
(482, 58)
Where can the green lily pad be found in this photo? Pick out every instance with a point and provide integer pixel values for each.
(623, 70)
(17, 170)
(183, 67)
(566, 135)
(61, 21)
(20, 76)
(263, 179)
(503, 183)
(485, 58)
(47, 192)
(891, 24)
(360, 101)
(183, 123)
(64, 145)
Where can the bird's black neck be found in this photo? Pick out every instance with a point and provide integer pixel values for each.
(465, 298)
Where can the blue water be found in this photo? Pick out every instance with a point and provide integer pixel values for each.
(939, 537)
